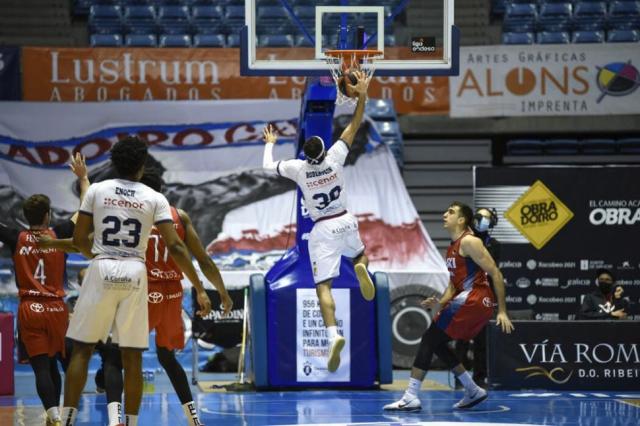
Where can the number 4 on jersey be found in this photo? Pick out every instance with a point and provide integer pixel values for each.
(39, 272)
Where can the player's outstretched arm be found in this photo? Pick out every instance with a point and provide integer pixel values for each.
(473, 247)
(207, 266)
(63, 244)
(78, 166)
(180, 254)
(270, 138)
(361, 87)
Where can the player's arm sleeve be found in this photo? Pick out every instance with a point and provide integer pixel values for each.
(8, 237)
(339, 151)
(288, 169)
(162, 212)
(87, 202)
(64, 229)
(267, 158)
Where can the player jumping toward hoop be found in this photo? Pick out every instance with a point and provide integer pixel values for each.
(335, 232)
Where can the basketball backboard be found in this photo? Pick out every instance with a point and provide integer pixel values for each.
(288, 37)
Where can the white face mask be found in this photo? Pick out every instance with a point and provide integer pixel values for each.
(483, 224)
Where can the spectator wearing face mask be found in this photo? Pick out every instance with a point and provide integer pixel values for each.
(601, 304)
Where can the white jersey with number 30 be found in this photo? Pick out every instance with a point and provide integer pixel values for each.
(123, 213)
(322, 185)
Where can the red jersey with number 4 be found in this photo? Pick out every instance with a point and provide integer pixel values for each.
(464, 273)
(39, 271)
(160, 266)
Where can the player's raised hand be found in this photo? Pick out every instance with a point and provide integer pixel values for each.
(204, 302)
(78, 166)
(362, 85)
(268, 134)
(502, 319)
(429, 302)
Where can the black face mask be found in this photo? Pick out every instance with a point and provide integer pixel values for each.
(605, 288)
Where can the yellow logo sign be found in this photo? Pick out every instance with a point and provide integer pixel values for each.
(538, 214)
(541, 371)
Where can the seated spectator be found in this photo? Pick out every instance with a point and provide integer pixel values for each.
(601, 303)
(619, 302)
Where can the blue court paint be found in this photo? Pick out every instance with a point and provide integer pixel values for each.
(330, 407)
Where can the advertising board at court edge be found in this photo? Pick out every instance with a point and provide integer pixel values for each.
(558, 362)
(123, 74)
(591, 355)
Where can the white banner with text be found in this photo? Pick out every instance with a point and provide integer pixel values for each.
(572, 79)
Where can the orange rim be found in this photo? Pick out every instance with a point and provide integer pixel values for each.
(358, 54)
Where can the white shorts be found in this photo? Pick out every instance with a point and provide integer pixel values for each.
(328, 241)
(113, 299)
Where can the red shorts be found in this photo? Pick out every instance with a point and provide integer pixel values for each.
(467, 313)
(43, 324)
(165, 314)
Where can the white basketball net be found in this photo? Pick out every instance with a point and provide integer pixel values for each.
(364, 62)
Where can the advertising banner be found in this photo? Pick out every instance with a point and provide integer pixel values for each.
(121, 74)
(10, 74)
(537, 80)
(557, 227)
(223, 331)
(210, 155)
(584, 355)
(312, 341)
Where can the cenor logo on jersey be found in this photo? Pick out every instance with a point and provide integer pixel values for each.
(538, 214)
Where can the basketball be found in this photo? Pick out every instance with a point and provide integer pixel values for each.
(348, 78)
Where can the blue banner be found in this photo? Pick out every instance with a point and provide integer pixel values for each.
(10, 74)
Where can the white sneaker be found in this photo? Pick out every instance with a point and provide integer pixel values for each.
(471, 398)
(366, 285)
(334, 353)
(406, 403)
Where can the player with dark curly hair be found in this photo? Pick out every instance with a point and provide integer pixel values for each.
(165, 301)
(113, 299)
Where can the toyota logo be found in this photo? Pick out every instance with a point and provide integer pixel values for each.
(37, 307)
(155, 297)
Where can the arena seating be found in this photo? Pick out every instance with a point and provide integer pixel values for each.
(559, 22)
(568, 146)
(219, 21)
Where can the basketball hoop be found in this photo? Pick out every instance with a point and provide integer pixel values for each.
(340, 61)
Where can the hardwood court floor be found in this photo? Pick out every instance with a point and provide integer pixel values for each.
(331, 407)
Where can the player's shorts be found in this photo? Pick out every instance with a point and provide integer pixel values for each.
(165, 314)
(113, 299)
(328, 241)
(467, 313)
(42, 323)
